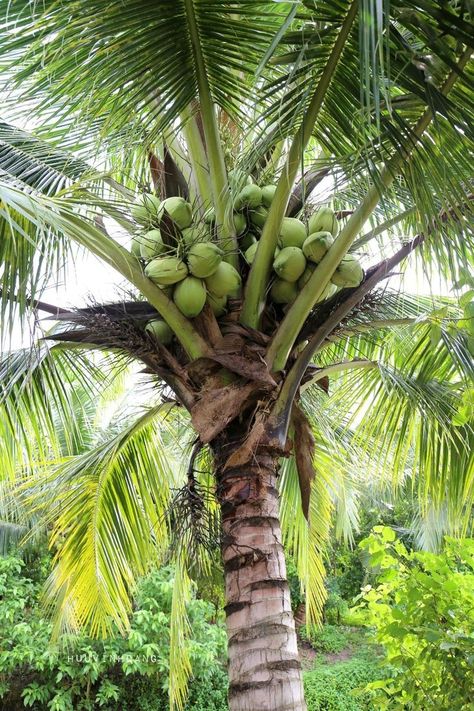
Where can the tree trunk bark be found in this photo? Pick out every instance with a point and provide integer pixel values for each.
(264, 668)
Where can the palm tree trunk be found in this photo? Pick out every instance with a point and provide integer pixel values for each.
(264, 669)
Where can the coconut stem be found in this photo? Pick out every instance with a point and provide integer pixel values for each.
(291, 325)
(218, 173)
(54, 212)
(254, 300)
(198, 157)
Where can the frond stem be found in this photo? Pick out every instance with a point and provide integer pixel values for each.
(218, 173)
(254, 299)
(291, 325)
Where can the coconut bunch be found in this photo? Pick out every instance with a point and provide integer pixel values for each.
(182, 257)
(301, 245)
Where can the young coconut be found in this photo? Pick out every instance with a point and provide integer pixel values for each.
(258, 216)
(160, 330)
(240, 223)
(268, 193)
(218, 304)
(135, 246)
(323, 220)
(190, 296)
(316, 245)
(250, 253)
(283, 292)
(225, 281)
(349, 272)
(146, 209)
(249, 196)
(247, 241)
(290, 263)
(209, 216)
(237, 177)
(179, 210)
(151, 244)
(292, 233)
(204, 258)
(193, 234)
(166, 270)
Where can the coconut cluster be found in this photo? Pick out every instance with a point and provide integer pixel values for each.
(301, 246)
(187, 262)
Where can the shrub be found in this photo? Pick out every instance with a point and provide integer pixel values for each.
(83, 674)
(328, 638)
(423, 613)
(340, 687)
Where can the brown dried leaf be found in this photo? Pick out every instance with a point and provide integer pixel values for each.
(218, 407)
(248, 368)
(304, 446)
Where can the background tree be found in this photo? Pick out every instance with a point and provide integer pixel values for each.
(373, 104)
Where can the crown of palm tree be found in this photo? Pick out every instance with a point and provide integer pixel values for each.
(373, 105)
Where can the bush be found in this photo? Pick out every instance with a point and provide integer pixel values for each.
(328, 638)
(423, 613)
(82, 674)
(340, 687)
(334, 608)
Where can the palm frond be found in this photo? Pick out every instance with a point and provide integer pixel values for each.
(403, 413)
(44, 398)
(145, 48)
(37, 163)
(111, 500)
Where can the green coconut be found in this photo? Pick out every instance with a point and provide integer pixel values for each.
(240, 223)
(166, 270)
(151, 244)
(209, 216)
(146, 209)
(135, 246)
(218, 304)
(160, 330)
(250, 253)
(306, 276)
(292, 233)
(194, 234)
(238, 177)
(268, 193)
(204, 258)
(349, 272)
(330, 290)
(258, 216)
(190, 296)
(290, 263)
(179, 210)
(316, 245)
(323, 220)
(283, 292)
(249, 196)
(247, 241)
(225, 281)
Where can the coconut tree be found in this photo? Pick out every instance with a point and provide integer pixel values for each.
(254, 172)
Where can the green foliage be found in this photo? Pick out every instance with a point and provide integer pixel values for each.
(327, 638)
(340, 687)
(77, 672)
(423, 613)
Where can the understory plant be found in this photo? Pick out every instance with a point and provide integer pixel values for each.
(422, 609)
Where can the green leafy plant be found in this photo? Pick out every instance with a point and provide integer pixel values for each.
(80, 673)
(422, 608)
(341, 687)
(327, 638)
